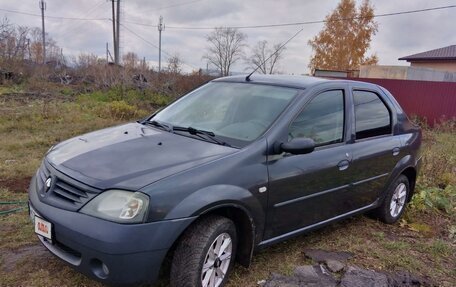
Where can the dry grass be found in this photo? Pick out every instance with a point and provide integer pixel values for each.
(422, 243)
(30, 127)
(375, 245)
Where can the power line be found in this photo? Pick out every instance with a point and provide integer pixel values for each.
(298, 23)
(178, 4)
(140, 37)
(90, 11)
(275, 52)
(162, 8)
(52, 17)
(152, 44)
(319, 21)
(87, 19)
(237, 27)
(141, 24)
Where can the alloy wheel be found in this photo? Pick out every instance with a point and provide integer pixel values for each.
(398, 200)
(217, 261)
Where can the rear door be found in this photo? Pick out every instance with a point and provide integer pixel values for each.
(376, 149)
(309, 188)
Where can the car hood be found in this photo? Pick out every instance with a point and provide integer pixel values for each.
(130, 156)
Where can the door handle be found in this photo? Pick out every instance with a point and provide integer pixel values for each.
(396, 151)
(343, 164)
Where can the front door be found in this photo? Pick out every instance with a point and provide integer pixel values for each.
(309, 188)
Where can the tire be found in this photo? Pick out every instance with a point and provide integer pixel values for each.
(193, 253)
(395, 201)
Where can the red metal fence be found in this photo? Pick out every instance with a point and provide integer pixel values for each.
(431, 100)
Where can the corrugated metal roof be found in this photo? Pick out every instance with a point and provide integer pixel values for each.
(445, 53)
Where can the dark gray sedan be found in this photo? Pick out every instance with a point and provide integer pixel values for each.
(233, 166)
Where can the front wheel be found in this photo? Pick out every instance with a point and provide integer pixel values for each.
(205, 254)
(393, 205)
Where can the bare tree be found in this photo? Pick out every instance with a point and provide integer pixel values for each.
(5, 28)
(86, 60)
(53, 51)
(130, 60)
(18, 43)
(35, 46)
(6, 31)
(261, 52)
(175, 64)
(13, 41)
(226, 47)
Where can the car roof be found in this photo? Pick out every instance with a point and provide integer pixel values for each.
(292, 81)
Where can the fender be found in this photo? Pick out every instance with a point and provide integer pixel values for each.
(248, 235)
(216, 196)
(405, 162)
(220, 198)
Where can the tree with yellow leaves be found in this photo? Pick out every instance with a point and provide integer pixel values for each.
(345, 39)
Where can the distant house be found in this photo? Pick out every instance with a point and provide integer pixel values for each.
(336, 74)
(442, 59)
(438, 65)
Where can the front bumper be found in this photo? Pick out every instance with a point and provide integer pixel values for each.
(106, 251)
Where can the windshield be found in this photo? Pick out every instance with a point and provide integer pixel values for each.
(236, 111)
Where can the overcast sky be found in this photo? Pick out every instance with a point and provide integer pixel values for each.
(397, 36)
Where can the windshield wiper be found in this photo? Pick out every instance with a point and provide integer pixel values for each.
(201, 133)
(166, 127)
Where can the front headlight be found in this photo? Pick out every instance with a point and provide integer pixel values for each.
(118, 206)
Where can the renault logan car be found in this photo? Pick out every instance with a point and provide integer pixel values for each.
(231, 167)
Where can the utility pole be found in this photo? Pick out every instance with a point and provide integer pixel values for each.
(43, 7)
(114, 41)
(118, 32)
(107, 53)
(29, 52)
(161, 27)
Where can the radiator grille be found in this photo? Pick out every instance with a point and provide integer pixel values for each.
(64, 192)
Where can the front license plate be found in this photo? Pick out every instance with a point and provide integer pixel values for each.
(43, 227)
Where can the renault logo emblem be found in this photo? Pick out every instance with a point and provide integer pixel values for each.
(48, 183)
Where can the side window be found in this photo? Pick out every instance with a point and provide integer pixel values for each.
(372, 117)
(321, 120)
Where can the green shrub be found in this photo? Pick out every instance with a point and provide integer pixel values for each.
(443, 200)
(66, 91)
(140, 98)
(120, 110)
(160, 100)
(436, 184)
(96, 96)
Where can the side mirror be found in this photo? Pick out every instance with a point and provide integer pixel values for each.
(298, 146)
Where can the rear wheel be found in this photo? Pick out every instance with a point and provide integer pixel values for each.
(393, 205)
(205, 254)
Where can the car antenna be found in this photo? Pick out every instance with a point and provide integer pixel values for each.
(275, 52)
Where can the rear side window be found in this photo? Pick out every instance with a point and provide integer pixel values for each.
(372, 117)
(321, 120)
